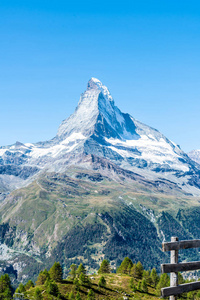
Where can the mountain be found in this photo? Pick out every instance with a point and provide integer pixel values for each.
(105, 186)
(96, 131)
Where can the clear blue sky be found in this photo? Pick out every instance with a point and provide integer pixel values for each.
(146, 52)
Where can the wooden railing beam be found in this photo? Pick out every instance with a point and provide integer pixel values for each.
(188, 266)
(182, 288)
(169, 246)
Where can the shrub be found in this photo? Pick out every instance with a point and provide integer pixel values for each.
(102, 282)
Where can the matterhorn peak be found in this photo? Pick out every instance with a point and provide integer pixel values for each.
(95, 101)
(96, 84)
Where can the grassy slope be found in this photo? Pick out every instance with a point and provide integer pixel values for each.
(117, 286)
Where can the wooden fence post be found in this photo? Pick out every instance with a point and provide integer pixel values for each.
(174, 267)
(173, 275)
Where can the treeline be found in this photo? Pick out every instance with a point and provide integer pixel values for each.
(50, 280)
(49, 284)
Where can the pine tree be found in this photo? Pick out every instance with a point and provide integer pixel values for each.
(147, 277)
(180, 278)
(52, 288)
(144, 286)
(5, 287)
(91, 295)
(56, 272)
(132, 285)
(76, 283)
(29, 285)
(6, 295)
(71, 296)
(139, 270)
(105, 267)
(84, 279)
(163, 282)
(139, 286)
(102, 282)
(81, 269)
(42, 277)
(78, 296)
(191, 296)
(4, 282)
(21, 289)
(133, 272)
(125, 266)
(154, 277)
(73, 269)
(37, 294)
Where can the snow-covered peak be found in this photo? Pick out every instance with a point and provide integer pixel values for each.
(97, 115)
(95, 83)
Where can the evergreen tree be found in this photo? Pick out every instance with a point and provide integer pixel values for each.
(5, 287)
(191, 296)
(42, 277)
(91, 295)
(102, 282)
(4, 282)
(81, 269)
(29, 285)
(76, 283)
(71, 296)
(144, 286)
(198, 294)
(52, 288)
(56, 272)
(147, 277)
(139, 270)
(73, 269)
(78, 296)
(37, 294)
(132, 285)
(139, 286)
(21, 289)
(84, 279)
(105, 267)
(125, 266)
(133, 271)
(6, 295)
(180, 278)
(154, 277)
(163, 282)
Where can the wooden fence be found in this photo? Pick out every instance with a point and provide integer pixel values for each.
(174, 267)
